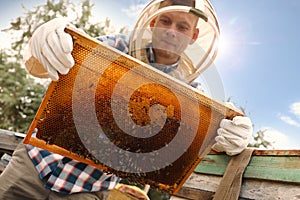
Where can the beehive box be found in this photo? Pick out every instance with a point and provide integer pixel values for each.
(117, 113)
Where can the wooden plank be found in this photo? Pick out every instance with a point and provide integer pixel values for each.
(8, 140)
(251, 188)
(283, 167)
(193, 194)
(5, 158)
(213, 164)
(259, 152)
(274, 168)
(231, 182)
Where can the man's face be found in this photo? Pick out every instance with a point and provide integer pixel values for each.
(172, 33)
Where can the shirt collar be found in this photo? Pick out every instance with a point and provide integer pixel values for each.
(161, 67)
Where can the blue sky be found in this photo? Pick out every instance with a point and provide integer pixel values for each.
(258, 60)
(260, 65)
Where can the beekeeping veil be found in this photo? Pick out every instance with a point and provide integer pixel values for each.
(198, 56)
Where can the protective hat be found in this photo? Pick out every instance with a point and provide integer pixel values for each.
(201, 53)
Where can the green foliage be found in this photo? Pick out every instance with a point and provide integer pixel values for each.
(27, 24)
(260, 141)
(19, 96)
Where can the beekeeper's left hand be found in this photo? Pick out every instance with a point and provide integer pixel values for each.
(233, 135)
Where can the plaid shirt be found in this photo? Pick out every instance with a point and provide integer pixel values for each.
(68, 176)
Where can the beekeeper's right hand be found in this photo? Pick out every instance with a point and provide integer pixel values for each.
(49, 50)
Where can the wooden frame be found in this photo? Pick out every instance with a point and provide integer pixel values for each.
(98, 71)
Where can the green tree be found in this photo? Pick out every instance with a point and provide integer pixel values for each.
(260, 140)
(21, 94)
(23, 27)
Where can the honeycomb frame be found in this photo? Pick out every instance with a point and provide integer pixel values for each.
(98, 71)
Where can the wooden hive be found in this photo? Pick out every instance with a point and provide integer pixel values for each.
(116, 113)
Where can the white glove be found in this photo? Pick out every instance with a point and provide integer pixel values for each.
(233, 135)
(52, 47)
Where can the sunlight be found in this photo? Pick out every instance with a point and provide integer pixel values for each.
(4, 41)
(223, 44)
(225, 50)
